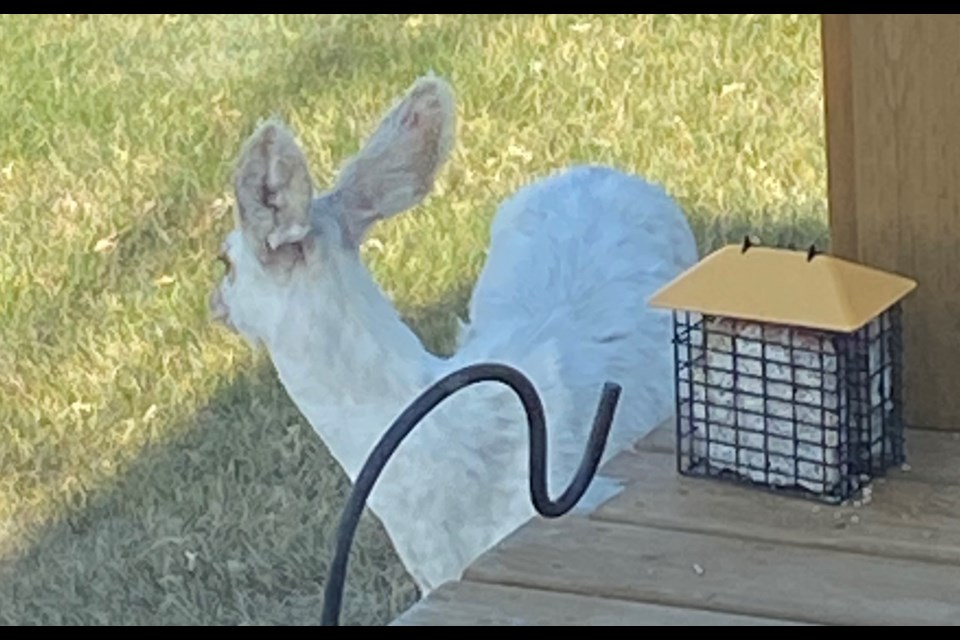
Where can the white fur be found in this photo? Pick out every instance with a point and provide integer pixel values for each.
(573, 258)
(602, 489)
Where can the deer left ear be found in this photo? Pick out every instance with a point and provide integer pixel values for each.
(273, 190)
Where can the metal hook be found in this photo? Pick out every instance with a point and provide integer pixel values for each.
(424, 404)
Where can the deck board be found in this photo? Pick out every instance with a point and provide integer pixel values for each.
(608, 560)
(671, 550)
(904, 518)
(933, 456)
(477, 604)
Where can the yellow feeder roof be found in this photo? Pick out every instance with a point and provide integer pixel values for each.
(782, 286)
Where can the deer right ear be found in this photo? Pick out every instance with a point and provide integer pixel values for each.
(273, 190)
(397, 166)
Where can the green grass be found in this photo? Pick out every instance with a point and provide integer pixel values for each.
(152, 469)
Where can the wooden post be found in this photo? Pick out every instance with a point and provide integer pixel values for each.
(892, 94)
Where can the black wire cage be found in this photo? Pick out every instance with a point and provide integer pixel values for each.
(817, 413)
(788, 371)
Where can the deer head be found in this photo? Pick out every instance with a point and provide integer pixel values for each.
(292, 240)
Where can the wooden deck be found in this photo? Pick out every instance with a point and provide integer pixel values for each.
(683, 551)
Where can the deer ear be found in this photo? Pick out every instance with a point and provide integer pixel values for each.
(397, 166)
(273, 189)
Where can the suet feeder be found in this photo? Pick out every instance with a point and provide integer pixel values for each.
(788, 370)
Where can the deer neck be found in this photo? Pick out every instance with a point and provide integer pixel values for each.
(347, 360)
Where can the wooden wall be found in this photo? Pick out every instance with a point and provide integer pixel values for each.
(892, 93)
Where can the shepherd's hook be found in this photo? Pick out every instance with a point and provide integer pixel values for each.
(424, 404)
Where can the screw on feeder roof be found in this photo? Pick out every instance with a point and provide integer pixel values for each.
(811, 251)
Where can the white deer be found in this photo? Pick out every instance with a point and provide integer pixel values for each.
(562, 298)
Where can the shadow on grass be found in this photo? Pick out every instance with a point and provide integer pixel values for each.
(243, 534)
(232, 522)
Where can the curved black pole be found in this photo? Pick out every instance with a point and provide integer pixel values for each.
(424, 404)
